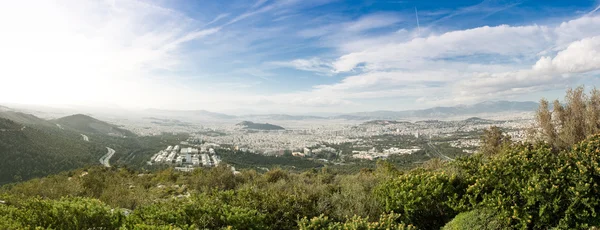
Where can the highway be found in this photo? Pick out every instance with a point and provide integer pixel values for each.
(438, 153)
(105, 160)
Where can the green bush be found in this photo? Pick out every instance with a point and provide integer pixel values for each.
(423, 199)
(536, 186)
(7, 220)
(482, 219)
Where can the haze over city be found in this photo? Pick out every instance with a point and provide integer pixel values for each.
(298, 57)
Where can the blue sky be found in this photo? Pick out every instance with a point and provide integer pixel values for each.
(296, 56)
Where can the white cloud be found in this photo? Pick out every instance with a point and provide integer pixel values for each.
(499, 40)
(502, 41)
(467, 66)
(579, 57)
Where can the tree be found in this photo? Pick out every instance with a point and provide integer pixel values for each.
(493, 140)
(572, 122)
(544, 122)
(592, 115)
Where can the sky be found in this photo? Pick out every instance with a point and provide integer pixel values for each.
(295, 56)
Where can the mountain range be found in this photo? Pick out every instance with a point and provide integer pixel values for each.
(435, 112)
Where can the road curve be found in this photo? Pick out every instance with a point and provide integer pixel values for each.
(105, 160)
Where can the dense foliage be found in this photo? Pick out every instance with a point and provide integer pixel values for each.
(483, 219)
(535, 186)
(422, 199)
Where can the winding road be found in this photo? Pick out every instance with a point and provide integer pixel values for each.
(105, 160)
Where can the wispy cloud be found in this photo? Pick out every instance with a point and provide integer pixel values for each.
(594, 10)
(488, 7)
(312, 65)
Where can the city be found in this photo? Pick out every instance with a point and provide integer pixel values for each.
(308, 138)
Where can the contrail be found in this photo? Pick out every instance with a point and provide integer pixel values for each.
(418, 26)
(594, 11)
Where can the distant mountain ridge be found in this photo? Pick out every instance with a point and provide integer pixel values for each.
(460, 110)
(193, 113)
(435, 112)
(430, 113)
(23, 118)
(471, 120)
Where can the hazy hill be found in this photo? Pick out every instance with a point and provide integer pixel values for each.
(469, 121)
(385, 122)
(460, 110)
(193, 114)
(23, 118)
(487, 107)
(258, 126)
(477, 120)
(35, 150)
(86, 124)
(284, 117)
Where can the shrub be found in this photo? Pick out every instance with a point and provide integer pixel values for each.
(423, 199)
(386, 221)
(537, 187)
(67, 213)
(483, 219)
(205, 212)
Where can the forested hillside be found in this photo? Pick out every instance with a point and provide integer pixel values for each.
(33, 150)
(34, 147)
(89, 125)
